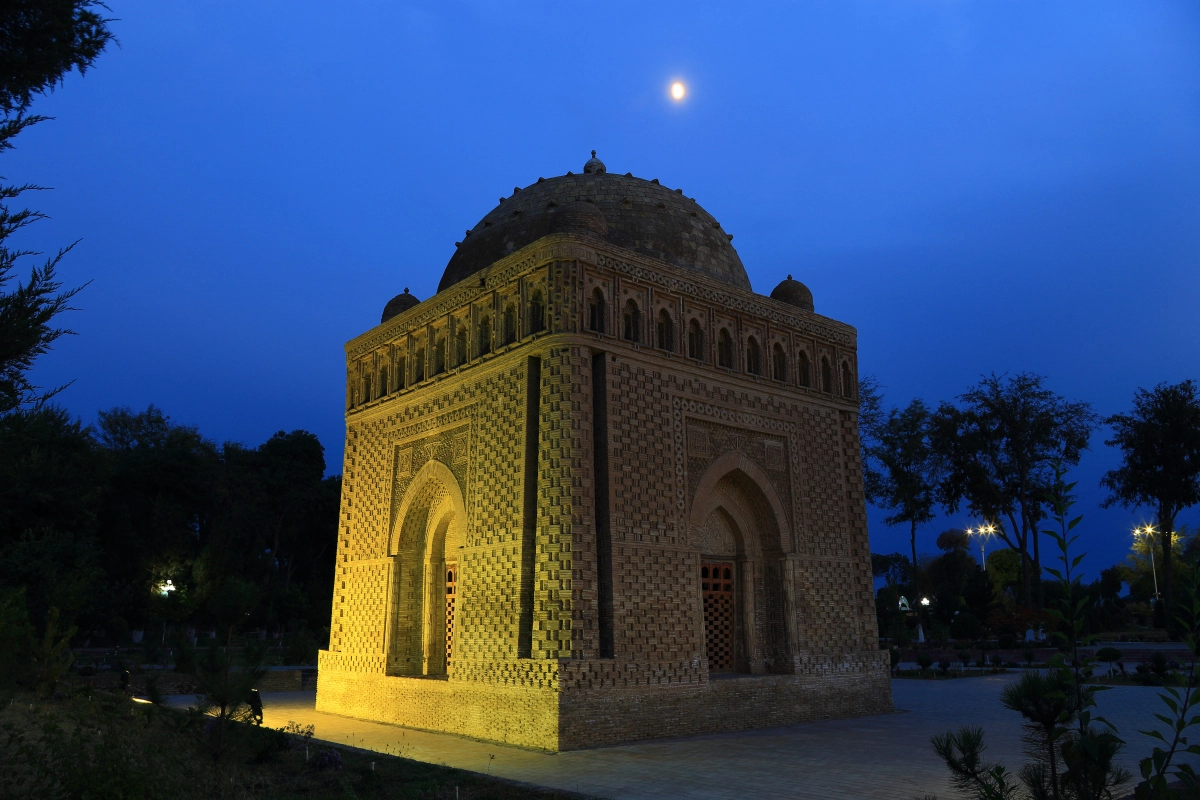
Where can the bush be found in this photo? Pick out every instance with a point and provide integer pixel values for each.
(924, 660)
(328, 758)
(944, 666)
(966, 626)
(1159, 666)
(301, 649)
(185, 656)
(964, 657)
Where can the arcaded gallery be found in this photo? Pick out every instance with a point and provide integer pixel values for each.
(597, 489)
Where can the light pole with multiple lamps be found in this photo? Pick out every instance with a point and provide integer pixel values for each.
(1148, 531)
(983, 532)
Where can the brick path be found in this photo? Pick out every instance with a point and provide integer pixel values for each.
(885, 756)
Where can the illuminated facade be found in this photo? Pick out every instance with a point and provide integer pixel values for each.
(598, 490)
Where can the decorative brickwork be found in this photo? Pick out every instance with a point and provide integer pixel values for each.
(491, 583)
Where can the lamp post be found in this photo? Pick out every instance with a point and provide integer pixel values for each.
(983, 532)
(1148, 531)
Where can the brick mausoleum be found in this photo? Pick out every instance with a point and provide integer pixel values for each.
(597, 489)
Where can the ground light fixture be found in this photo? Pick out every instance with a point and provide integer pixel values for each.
(165, 588)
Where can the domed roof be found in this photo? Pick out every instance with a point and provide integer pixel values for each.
(793, 293)
(399, 303)
(629, 212)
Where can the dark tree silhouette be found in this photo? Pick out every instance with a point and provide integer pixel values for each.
(901, 471)
(997, 453)
(40, 42)
(1160, 467)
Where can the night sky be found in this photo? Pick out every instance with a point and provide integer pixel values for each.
(976, 187)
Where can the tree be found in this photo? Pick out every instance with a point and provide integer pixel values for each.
(895, 569)
(1160, 465)
(157, 506)
(899, 472)
(40, 42)
(870, 424)
(997, 453)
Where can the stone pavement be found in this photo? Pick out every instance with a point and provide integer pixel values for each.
(886, 756)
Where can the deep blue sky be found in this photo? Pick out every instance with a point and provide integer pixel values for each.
(975, 186)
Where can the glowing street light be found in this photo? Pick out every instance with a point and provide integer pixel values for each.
(925, 601)
(983, 532)
(1148, 531)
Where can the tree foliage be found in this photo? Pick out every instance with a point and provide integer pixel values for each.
(43, 40)
(1159, 442)
(40, 42)
(899, 466)
(998, 449)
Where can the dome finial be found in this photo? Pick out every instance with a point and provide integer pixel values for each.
(594, 166)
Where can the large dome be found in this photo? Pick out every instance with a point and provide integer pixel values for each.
(629, 212)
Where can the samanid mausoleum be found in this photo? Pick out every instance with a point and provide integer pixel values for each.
(597, 489)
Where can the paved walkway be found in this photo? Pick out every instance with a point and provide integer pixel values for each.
(886, 756)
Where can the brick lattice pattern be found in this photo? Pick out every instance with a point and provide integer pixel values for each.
(448, 565)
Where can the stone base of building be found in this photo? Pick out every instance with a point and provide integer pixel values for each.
(573, 719)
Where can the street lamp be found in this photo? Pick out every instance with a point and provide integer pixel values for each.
(1148, 531)
(983, 532)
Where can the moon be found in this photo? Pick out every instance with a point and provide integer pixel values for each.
(678, 90)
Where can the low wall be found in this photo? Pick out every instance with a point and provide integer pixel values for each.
(553, 718)
(510, 714)
(605, 717)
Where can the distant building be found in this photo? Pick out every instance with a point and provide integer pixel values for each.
(598, 490)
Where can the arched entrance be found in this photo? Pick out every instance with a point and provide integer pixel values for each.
(736, 525)
(424, 547)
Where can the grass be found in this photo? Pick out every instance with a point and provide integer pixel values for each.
(103, 745)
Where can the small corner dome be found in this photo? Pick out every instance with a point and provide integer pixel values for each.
(398, 304)
(794, 293)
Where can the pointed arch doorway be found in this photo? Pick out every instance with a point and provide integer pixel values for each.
(426, 539)
(745, 597)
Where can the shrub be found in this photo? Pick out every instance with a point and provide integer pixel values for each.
(1159, 666)
(328, 758)
(944, 666)
(964, 657)
(924, 660)
(966, 626)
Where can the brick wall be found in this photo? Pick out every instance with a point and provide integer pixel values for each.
(776, 462)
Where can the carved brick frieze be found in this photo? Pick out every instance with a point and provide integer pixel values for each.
(561, 247)
(411, 451)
